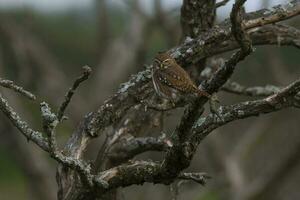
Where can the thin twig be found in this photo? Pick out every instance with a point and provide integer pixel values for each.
(221, 3)
(23, 127)
(85, 75)
(37, 137)
(287, 11)
(200, 178)
(11, 85)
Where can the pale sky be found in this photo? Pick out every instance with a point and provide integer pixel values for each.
(56, 5)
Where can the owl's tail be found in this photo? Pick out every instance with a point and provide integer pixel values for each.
(200, 92)
(203, 93)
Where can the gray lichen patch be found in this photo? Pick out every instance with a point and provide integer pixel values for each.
(139, 77)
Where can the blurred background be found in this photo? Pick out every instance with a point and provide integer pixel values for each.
(44, 44)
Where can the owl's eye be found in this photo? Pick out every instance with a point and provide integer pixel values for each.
(166, 63)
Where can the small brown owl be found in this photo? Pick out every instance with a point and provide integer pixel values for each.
(171, 81)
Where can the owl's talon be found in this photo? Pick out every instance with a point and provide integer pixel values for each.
(216, 113)
(173, 104)
(218, 116)
(214, 98)
(213, 101)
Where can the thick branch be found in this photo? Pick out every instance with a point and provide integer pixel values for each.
(126, 150)
(191, 51)
(287, 11)
(185, 141)
(280, 35)
(141, 171)
(205, 45)
(196, 18)
(287, 97)
(180, 155)
(202, 14)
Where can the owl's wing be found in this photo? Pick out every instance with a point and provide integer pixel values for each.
(162, 89)
(177, 78)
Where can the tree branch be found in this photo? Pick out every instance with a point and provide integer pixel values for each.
(126, 150)
(205, 45)
(190, 132)
(38, 138)
(180, 155)
(203, 14)
(280, 35)
(200, 178)
(258, 91)
(222, 3)
(287, 11)
(142, 171)
(11, 85)
(190, 51)
(50, 122)
(286, 97)
(85, 75)
(22, 126)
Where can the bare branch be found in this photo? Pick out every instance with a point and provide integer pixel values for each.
(137, 172)
(85, 75)
(191, 130)
(236, 88)
(151, 172)
(142, 171)
(139, 86)
(11, 85)
(23, 127)
(222, 3)
(277, 34)
(38, 138)
(203, 14)
(287, 11)
(180, 155)
(242, 38)
(205, 45)
(238, 29)
(135, 146)
(50, 122)
(287, 97)
(280, 35)
(200, 178)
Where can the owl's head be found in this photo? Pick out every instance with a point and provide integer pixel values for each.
(163, 60)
